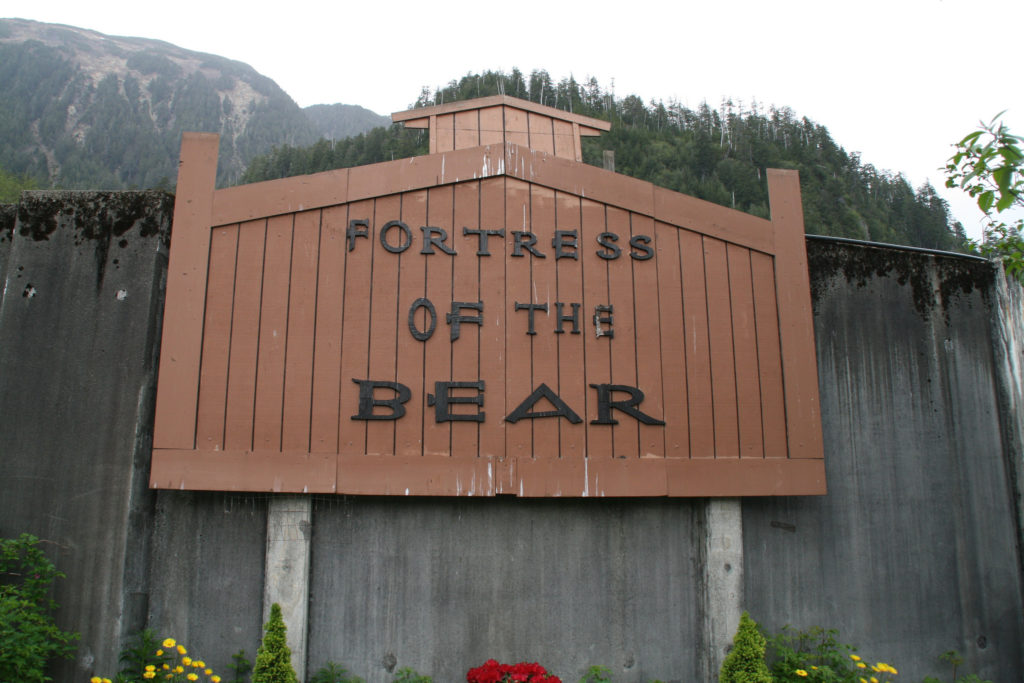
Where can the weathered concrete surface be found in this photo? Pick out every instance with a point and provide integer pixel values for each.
(207, 573)
(79, 324)
(289, 532)
(722, 592)
(442, 585)
(913, 551)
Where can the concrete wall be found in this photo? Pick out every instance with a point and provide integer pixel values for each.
(914, 551)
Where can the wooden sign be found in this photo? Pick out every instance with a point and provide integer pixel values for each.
(487, 319)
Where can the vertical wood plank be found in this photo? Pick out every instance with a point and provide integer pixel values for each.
(796, 324)
(673, 342)
(175, 419)
(748, 383)
(596, 350)
(467, 129)
(465, 351)
(213, 376)
(491, 126)
(298, 377)
(626, 434)
(355, 325)
(380, 434)
(445, 133)
(273, 331)
(698, 353)
(245, 336)
(518, 344)
(493, 353)
(564, 146)
(646, 293)
(541, 133)
(769, 358)
(330, 302)
(545, 342)
(723, 368)
(438, 349)
(517, 130)
(572, 380)
(413, 286)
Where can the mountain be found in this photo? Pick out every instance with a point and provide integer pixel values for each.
(80, 109)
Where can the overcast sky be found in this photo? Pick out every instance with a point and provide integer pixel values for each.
(898, 81)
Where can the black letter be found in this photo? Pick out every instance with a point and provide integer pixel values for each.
(454, 318)
(401, 226)
(531, 308)
(639, 243)
(561, 410)
(559, 241)
(481, 250)
(600, 331)
(367, 402)
(441, 399)
(575, 317)
(351, 234)
(605, 405)
(417, 335)
(605, 239)
(524, 239)
(435, 237)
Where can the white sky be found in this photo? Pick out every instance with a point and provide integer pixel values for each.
(898, 81)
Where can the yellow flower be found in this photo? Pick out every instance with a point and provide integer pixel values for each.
(215, 678)
(178, 669)
(167, 666)
(815, 668)
(186, 660)
(207, 671)
(159, 653)
(192, 677)
(801, 673)
(861, 665)
(169, 642)
(150, 667)
(95, 679)
(874, 680)
(863, 680)
(149, 674)
(169, 676)
(106, 680)
(855, 658)
(182, 650)
(200, 664)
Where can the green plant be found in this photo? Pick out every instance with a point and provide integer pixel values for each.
(333, 672)
(989, 166)
(745, 662)
(817, 656)
(241, 666)
(597, 674)
(953, 658)
(274, 658)
(409, 675)
(167, 661)
(29, 637)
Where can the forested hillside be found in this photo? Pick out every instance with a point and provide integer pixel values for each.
(719, 154)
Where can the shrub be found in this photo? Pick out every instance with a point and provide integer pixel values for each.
(29, 637)
(745, 662)
(333, 672)
(274, 658)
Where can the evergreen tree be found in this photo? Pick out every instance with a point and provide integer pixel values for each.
(745, 662)
(274, 658)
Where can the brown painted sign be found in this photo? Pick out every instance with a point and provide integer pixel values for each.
(487, 319)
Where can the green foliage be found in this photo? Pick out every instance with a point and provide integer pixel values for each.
(140, 652)
(29, 638)
(409, 675)
(816, 655)
(241, 666)
(274, 657)
(333, 672)
(989, 166)
(745, 662)
(953, 658)
(12, 185)
(597, 674)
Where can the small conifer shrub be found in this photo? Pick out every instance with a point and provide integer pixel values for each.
(745, 662)
(274, 658)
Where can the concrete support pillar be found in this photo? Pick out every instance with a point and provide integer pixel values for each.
(287, 578)
(723, 580)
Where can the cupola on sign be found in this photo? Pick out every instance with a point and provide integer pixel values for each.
(493, 318)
